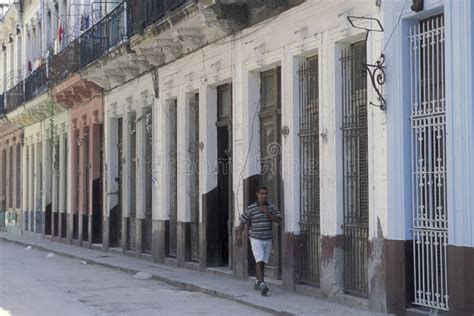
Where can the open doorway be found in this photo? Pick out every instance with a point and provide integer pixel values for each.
(220, 223)
(115, 219)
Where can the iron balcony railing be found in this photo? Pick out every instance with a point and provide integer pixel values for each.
(104, 35)
(64, 63)
(36, 83)
(146, 12)
(129, 17)
(15, 97)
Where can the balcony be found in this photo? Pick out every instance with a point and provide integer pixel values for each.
(157, 32)
(103, 36)
(146, 12)
(36, 83)
(15, 97)
(65, 63)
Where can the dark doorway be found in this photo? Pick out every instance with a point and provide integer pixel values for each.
(56, 224)
(270, 149)
(223, 224)
(63, 225)
(97, 193)
(194, 174)
(47, 219)
(116, 212)
(173, 172)
(147, 225)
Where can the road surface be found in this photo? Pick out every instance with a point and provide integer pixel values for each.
(34, 282)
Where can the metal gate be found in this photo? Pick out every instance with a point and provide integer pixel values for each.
(355, 173)
(224, 215)
(147, 229)
(428, 126)
(309, 170)
(194, 159)
(173, 172)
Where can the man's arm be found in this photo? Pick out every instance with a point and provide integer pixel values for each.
(240, 230)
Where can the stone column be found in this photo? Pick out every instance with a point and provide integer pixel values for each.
(9, 180)
(161, 188)
(126, 160)
(141, 174)
(62, 209)
(24, 184)
(111, 171)
(246, 148)
(330, 166)
(39, 224)
(82, 191)
(291, 169)
(72, 165)
(31, 186)
(184, 215)
(459, 17)
(14, 163)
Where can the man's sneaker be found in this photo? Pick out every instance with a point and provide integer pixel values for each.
(263, 288)
(256, 286)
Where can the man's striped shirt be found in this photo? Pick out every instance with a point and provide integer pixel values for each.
(260, 226)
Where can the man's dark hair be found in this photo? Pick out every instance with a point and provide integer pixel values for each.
(262, 187)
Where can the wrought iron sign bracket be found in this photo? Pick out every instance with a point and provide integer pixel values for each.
(375, 71)
(377, 77)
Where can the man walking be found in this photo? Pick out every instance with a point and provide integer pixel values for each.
(259, 216)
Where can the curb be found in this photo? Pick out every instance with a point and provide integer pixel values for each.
(182, 285)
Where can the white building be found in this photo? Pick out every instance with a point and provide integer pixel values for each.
(430, 142)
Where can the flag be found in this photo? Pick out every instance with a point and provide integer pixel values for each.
(60, 33)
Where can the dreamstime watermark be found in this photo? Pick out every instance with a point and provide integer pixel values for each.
(271, 163)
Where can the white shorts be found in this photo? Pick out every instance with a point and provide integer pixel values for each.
(261, 249)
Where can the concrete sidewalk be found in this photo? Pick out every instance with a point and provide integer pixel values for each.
(279, 301)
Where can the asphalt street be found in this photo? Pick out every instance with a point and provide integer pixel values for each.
(34, 282)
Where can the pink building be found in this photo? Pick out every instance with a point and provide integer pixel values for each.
(11, 139)
(85, 101)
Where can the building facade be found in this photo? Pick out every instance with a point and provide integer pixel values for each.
(11, 136)
(145, 129)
